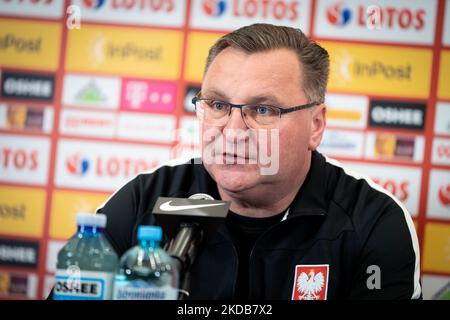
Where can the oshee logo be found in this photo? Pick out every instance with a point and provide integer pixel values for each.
(389, 114)
(28, 86)
(338, 15)
(77, 165)
(19, 253)
(214, 7)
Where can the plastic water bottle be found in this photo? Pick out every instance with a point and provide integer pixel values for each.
(146, 271)
(87, 263)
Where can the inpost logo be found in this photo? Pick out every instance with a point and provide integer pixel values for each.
(125, 51)
(444, 76)
(29, 44)
(436, 248)
(66, 205)
(339, 14)
(351, 67)
(104, 50)
(213, 7)
(22, 211)
(380, 70)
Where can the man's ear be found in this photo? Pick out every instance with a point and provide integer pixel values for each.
(318, 124)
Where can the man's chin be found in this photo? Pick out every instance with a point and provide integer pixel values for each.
(236, 178)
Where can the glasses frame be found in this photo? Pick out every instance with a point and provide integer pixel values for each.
(240, 106)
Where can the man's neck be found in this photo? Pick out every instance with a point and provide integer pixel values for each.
(265, 200)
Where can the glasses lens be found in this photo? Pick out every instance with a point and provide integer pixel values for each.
(213, 112)
(260, 115)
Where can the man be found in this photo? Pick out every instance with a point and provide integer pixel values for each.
(304, 228)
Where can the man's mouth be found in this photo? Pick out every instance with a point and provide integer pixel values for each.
(234, 158)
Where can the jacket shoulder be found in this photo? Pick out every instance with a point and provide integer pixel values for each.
(362, 200)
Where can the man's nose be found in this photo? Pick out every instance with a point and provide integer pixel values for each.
(235, 128)
(235, 120)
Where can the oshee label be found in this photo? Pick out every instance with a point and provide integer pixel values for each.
(82, 285)
(139, 290)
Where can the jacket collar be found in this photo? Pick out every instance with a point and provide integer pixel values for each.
(311, 198)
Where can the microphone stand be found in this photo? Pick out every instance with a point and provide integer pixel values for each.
(184, 248)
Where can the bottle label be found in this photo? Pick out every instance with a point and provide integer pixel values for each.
(82, 285)
(139, 290)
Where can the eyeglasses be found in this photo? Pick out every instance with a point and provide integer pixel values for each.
(217, 113)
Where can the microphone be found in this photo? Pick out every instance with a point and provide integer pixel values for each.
(188, 223)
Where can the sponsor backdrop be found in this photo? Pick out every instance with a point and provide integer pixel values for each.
(83, 110)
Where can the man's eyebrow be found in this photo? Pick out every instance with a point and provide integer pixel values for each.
(263, 98)
(214, 93)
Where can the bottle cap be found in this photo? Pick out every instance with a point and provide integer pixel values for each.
(89, 219)
(150, 233)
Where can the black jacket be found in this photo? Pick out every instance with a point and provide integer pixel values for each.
(345, 224)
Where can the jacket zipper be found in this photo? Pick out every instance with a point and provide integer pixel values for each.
(236, 264)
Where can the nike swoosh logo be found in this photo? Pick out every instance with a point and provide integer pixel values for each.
(166, 206)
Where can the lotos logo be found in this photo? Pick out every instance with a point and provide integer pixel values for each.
(93, 4)
(444, 195)
(399, 189)
(339, 15)
(214, 7)
(108, 166)
(19, 159)
(77, 165)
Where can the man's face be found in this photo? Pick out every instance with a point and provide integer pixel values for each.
(270, 78)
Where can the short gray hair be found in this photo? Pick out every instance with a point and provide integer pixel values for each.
(314, 60)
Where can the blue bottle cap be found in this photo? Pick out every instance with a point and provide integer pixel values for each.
(152, 233)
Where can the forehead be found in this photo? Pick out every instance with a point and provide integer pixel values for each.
(274, 72)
